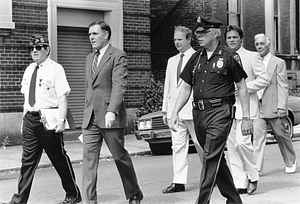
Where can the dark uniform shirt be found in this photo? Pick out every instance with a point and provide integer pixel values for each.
(213, 77)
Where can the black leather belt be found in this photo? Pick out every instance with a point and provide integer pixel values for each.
(212, 103)
(33, 113)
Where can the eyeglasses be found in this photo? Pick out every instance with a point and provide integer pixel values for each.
(201, 33)
(37, 47)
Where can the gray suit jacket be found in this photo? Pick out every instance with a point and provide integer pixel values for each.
(106, 91)
(276, 94)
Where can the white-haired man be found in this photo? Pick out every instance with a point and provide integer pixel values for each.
(273, 102)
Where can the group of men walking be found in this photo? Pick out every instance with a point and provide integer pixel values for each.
(234, 94)
(220, 95)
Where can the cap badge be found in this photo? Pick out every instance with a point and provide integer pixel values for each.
(199, 19)
(42, 40)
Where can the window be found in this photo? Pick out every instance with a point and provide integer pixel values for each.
(6, 15)
(276, 26)
(234, 12)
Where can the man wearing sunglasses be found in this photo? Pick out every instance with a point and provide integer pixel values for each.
(211, 73)
(44, 85)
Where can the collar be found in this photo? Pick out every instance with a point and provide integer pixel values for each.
(217, 51)
(103, 49)
(267, 57)
(44, 63)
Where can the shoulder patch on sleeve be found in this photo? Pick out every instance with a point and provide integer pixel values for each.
(237, 58)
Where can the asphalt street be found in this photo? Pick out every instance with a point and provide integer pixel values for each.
(155, 173)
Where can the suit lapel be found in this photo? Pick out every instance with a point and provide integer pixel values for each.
(271, 67)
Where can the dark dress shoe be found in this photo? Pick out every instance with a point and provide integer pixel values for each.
(252, 186)
(242, 190)
(71, 200)
(173, 188)
(137, 198)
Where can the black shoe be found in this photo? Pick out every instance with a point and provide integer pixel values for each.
(242, 190)
(173, 188)
(137, 198)
(252, 186)
(71, 200)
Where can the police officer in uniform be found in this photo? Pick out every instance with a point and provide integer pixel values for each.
(44, 85)
(211, 74)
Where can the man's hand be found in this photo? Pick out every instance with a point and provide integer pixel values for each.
(165, 119)
(247, 127)
(281, 113)
(110, 118)
(174, 122)
(60, 127)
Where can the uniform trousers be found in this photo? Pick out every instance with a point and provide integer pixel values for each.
(34, 139)
(279, 127)
(212, 127)
(93, 137)
(180, 147)
(241, 156)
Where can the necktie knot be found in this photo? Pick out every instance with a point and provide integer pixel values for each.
(181, 56)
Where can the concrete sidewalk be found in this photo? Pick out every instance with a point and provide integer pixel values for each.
(10, 158)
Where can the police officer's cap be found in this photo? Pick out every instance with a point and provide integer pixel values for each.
(38, 40)
(207, 22)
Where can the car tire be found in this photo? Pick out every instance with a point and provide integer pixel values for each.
(160, 148)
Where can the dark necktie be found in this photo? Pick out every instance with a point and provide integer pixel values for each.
(179, 67)
(32, 87)
(95, 63)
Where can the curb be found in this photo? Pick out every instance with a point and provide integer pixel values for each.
(102, 158)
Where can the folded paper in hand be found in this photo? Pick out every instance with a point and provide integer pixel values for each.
(50, 118)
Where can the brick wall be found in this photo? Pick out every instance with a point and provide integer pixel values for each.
(30, 16)
(137, 45)
(254, 21)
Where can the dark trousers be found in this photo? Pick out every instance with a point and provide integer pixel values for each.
(93, 137)
(34, 139)
(212, 127)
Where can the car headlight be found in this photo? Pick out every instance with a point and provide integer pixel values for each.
(145, 124)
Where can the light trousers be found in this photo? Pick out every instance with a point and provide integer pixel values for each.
(241, 156)
(180, 147)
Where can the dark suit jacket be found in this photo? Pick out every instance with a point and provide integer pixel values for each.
(106, 91)
(276, 94)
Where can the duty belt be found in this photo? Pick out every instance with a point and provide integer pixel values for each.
(212, 103)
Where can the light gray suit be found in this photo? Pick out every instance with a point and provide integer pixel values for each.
(240, 149)
(275, 96)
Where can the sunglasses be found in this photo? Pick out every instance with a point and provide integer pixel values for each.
(202, 33)
(37, 47)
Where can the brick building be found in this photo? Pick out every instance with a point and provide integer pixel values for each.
(142, 28)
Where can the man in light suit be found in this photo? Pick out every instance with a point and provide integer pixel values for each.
(173, 84)
(273, 108)
(105, 114)
(240, 149)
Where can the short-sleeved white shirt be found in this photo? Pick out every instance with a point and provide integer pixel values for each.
(51, 84)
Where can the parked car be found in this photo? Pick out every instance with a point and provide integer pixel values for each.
(152, 129)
